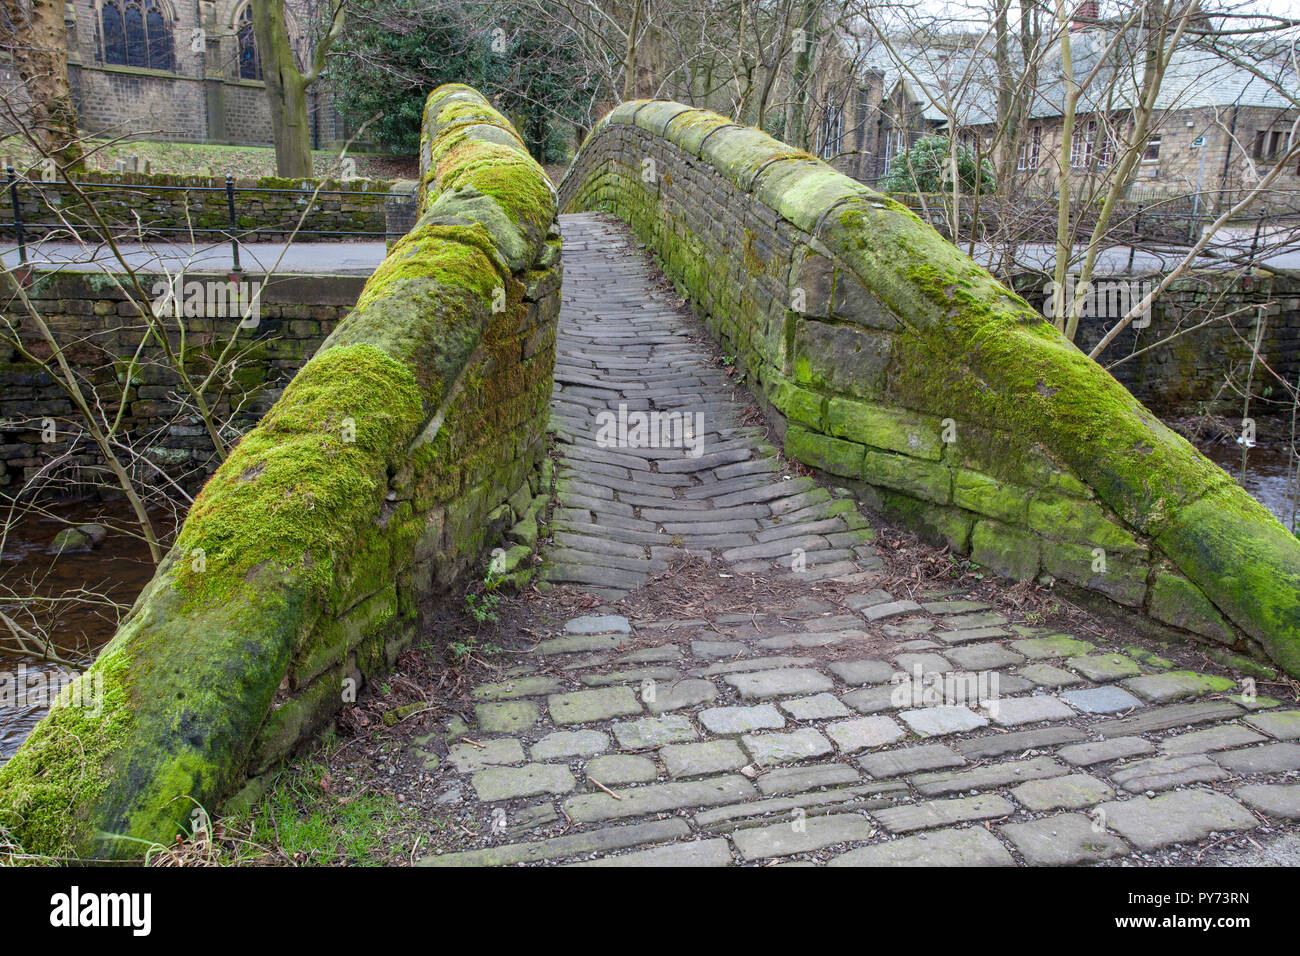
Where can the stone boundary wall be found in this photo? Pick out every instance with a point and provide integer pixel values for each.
(1188, 375)
(101, 323)
(1033, 219)
(891, 361)
(54, 209)
(376, 479)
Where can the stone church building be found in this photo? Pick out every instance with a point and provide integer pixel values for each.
(183, 70)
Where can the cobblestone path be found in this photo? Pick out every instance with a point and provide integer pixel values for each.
(622, 352)
(811, 733)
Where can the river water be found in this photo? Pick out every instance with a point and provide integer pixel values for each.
(118, 569)
(1267, 469)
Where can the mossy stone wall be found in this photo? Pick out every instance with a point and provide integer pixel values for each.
(102, 324)
(267, 208)
(376, 479)
(1191, 374)
(891, 361)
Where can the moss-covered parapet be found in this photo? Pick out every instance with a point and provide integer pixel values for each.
(893, 361)
(388, 464)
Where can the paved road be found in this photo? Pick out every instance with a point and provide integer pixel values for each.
(789, 731)
(345, 258)
(361, 258)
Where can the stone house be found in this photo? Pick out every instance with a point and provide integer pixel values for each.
(1216, 128)
(184, 70)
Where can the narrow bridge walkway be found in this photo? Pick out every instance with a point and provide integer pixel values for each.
(628, 374)
(684, 722)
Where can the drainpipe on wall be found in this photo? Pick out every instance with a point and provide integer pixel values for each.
(1227, 157)
(73, 43)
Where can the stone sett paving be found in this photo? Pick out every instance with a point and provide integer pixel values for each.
(623, 349)
(794, 735)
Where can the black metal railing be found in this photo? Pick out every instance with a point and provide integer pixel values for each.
(231, 231)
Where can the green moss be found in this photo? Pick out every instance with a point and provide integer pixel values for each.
(299, 480)
(297, 525)
(754, 264)
(455, 257)
(49, 784)
(882, 427)
(829, 454)
(1246, 563)
(516, 185)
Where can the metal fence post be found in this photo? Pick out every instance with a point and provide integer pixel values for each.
(234, 226)
(18, 216)
(1137, 232)
(1259, 226)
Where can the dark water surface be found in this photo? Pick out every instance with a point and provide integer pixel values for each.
(1267, 469)
(118, 569)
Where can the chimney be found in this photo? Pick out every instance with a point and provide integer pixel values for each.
(1086, 14)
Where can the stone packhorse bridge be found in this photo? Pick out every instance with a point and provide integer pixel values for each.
(416, 437)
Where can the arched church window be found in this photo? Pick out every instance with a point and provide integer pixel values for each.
(136, 33)
(250, 64)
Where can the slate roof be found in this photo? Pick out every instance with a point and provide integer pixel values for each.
(1195, 79)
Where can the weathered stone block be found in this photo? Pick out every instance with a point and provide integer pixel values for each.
(990, 496)
(853, 302)
(1120, 578)
(1007, 550)
(1061, 516)
(1177, 601)
(831, 455)
(841, 358)
(914, 476)
(880, 426)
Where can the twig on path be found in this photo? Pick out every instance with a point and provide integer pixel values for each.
(603, 787)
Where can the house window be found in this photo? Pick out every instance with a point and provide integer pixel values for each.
(135, 33)
(250, 64)
(1268, 144)
(832, 132)
(1107, 154)
(1081, 146)
(1030, 148)
(1152, 152)
(895, 146)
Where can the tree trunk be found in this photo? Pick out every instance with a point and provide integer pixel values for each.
(629, 59)
(293, 130)
(35, 35)
(287, 85)
(1064, 242)
(796, 116)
